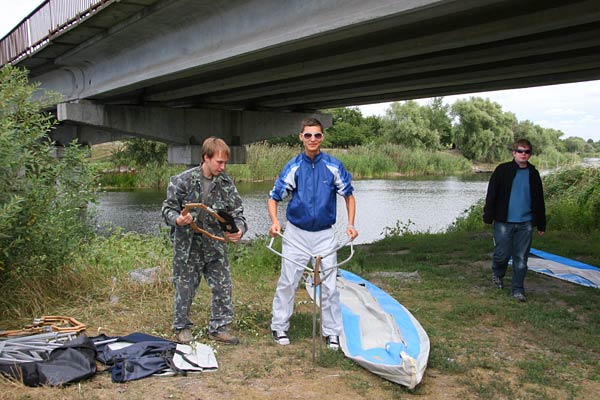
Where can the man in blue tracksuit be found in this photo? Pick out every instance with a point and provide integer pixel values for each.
(515, 204)
(312, 179)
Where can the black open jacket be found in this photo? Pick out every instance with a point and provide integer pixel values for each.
(498, 195)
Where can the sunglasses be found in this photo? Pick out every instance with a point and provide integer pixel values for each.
(521, 151)
(317, 135)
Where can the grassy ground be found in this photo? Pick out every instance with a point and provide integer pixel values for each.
(484, 345)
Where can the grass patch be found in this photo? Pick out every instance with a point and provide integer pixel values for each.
(483, 344)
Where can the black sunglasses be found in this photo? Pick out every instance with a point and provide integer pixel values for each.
(317, 135)
(521, 151)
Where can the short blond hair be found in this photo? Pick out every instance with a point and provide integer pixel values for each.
(214, 145)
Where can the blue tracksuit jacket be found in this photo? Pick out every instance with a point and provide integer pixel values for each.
(313, 185)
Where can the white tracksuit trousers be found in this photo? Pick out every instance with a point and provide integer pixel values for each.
(317, 243)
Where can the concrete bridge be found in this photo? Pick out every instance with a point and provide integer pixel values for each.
(178, 71)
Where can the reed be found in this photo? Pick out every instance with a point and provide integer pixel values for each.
(379, 161)
(573, 199)
(156, 175)
(553, 160)
(264, 162)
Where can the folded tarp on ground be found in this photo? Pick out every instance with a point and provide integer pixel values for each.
(564, 268)
(73, 361)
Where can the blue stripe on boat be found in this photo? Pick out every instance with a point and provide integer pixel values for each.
(562, 260)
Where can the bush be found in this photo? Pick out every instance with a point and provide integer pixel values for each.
(44, 199)
(139, 151)
(471, 220)
(573, 199)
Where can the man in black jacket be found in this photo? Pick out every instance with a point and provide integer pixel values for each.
(514, 204)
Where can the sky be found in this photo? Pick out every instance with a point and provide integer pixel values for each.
(571, 108)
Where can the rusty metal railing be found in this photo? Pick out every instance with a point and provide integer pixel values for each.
(50, 19)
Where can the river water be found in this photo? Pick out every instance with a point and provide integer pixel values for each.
(430, 204)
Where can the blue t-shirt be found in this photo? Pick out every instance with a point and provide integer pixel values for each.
(519, 205)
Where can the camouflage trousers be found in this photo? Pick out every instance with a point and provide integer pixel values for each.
(187, 274)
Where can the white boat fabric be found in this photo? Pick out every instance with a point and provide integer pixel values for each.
(202, 355)
(564, 268)
(379, 333)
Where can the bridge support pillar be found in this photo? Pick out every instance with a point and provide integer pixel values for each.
(192, 154)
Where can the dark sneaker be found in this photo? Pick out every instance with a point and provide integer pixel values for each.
(520, 297)
(184, 335)
(333, 342)
(281, 337)
(224, 337)
(497, 281)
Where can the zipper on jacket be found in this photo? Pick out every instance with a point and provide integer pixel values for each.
(314, 196)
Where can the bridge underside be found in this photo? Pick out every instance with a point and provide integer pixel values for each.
(193, 58)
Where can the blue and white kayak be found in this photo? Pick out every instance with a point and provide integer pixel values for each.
(379, 333)
(564, 268)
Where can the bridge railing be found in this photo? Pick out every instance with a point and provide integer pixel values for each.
(50, 19)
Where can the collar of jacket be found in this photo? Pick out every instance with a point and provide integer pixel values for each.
(317, 158)
(197, 176)
(516, 166)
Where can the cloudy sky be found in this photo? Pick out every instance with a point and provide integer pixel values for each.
(572, 108)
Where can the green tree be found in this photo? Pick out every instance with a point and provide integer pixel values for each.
(409, 124)
(349, 128)
(289, 140)
(543, 140)
(141, 152)
(343, 134)
(42, 198)
(440, 122)
(574, 144)
(483, 132)
(373, 126)
(589, 147)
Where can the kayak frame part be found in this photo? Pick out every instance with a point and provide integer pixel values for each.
(213, 213)
(46, 324)
(318, 274)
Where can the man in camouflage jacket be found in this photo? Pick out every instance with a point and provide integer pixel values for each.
(195, 254)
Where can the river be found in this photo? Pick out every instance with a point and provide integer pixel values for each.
(430, 204)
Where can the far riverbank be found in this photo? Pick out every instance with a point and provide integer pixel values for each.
(364, 162)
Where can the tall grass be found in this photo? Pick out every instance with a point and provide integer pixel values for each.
(264, 162)
(93, 275)
(573, 198)
(378, 161)
(554, 159)
(365, 161)
(154, 175)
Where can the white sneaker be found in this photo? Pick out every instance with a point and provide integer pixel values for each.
(281, 337)
(333, 342)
